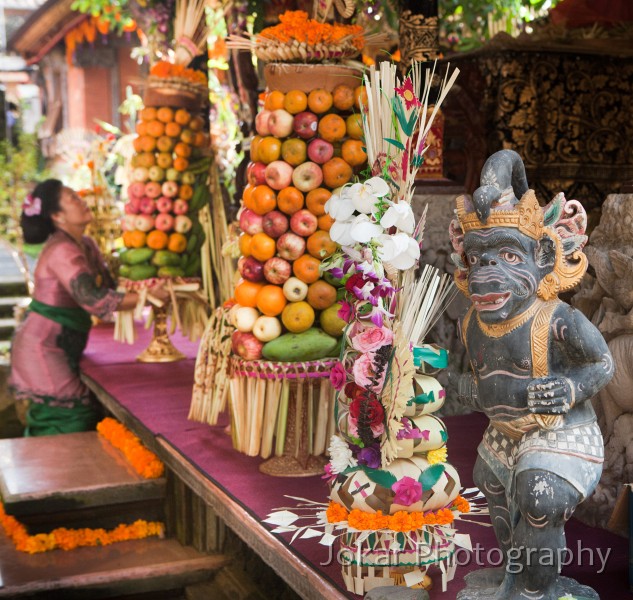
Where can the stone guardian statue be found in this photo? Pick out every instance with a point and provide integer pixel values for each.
(536, 362)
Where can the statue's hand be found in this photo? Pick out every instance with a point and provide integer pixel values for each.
(550, 396)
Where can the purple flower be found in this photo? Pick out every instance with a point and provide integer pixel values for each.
(408, 491)
(336, 272)
(345, 312)
(408, 432)
(370, 456)
(338, 376)
(32, 206)
(329, 474)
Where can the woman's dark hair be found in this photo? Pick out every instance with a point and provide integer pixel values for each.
(37, 228)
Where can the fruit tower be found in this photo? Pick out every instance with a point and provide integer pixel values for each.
(308, 144)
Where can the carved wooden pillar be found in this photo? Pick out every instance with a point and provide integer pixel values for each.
(419, 31)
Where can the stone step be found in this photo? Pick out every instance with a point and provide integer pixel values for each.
(74, 480)
(12, 285)
(127, 569)
(7, 327)
(8, 302)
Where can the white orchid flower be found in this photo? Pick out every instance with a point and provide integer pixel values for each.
(366, 195)
(339, 206)
(340, 232)
(399, 215)
(378, 187)
(401, 251)
(363, 230)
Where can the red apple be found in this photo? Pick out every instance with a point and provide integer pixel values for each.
(291, 246)
(320, 151)
(307, 177)
(277, 270)
(275, 223)
(261, 122)
(305, 125)
(180, 207)
(136, 189)
(144, 222)
(164, 222)
(164, 204)
(303, 223)
(279, 174)
(251, 269)
(131, 209)
(169, 189)
(255, 173)
(147, 206)
(280, 123)
(246, 345)
(251, 222)
(152, 189)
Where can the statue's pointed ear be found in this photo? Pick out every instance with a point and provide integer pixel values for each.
(546, 254)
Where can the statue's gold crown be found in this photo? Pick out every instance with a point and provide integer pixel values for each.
(527, 217)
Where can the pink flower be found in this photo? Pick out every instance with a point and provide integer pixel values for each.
(372, 338)
(345, 312)
(364, 372)
(407, 93)
(32, 206)
(408, 491)
(338, 376)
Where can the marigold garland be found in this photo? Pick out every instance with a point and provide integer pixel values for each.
(144, 462)
(166, 69)
(69, 539)
(400, 521)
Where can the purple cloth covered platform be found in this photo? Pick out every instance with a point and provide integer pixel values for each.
(158, 395)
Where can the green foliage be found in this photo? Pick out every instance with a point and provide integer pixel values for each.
(20, 169)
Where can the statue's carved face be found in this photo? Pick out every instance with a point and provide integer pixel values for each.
(504, 270)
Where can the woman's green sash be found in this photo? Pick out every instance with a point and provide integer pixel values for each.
(73, 318)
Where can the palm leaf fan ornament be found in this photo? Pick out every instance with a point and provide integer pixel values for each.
(190, 30)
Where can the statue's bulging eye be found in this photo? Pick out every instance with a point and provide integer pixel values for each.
(472, 259)
(511, 258)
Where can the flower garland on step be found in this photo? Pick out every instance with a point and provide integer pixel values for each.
(144, 462)
(69, 539)
(400, 521)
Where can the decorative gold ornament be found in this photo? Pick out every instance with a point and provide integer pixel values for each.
(497, 330)
(160, 349)
(549, 287)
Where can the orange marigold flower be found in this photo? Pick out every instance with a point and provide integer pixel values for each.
(336, 513)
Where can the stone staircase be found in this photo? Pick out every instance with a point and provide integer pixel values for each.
(79, 480)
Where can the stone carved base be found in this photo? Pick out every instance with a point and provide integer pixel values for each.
(160, 349)
(484, 585)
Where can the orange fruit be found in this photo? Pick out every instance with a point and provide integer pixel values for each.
(180, 163)
(185, 192)
(254, 147)
(290, 200)
(269, 149)
(173, 129)
(164, 160)
(353, 154)
(182, 116)
(182, 149)
(188, 136)
(165, 114)
(271, 300)
(148, 143)
(263, 247)
(360, 95)
(321, 294)
(247, 196)
(135, 239)
(141, 128)
(146, 159)
(148, 114)
(332, 128)
(297, 317)
(165, 144)
(274, 100)
(177, 243)
(197, 124)
(201, 140)
(306, 268)
(245, 244)
(138, 145)
(246, 293)
(319, 101)
(263, 199)
(155, 128)
(295, 101)
(157, 240)
(336, 172)
(320, 245)
(354, 126)
(343, 97)
(325, 222)
(316, 199)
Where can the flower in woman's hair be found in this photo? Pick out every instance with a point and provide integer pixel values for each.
(401, 251)
(399, 215)
(407, 93)
(408, 491)
(32, 206)
(372, 338)
(370, 456)
(338, 376)
(341, 456)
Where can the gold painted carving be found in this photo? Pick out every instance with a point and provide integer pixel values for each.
(497, 330)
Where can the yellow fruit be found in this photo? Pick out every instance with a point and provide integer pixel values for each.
(331, 323)
(297, 317)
